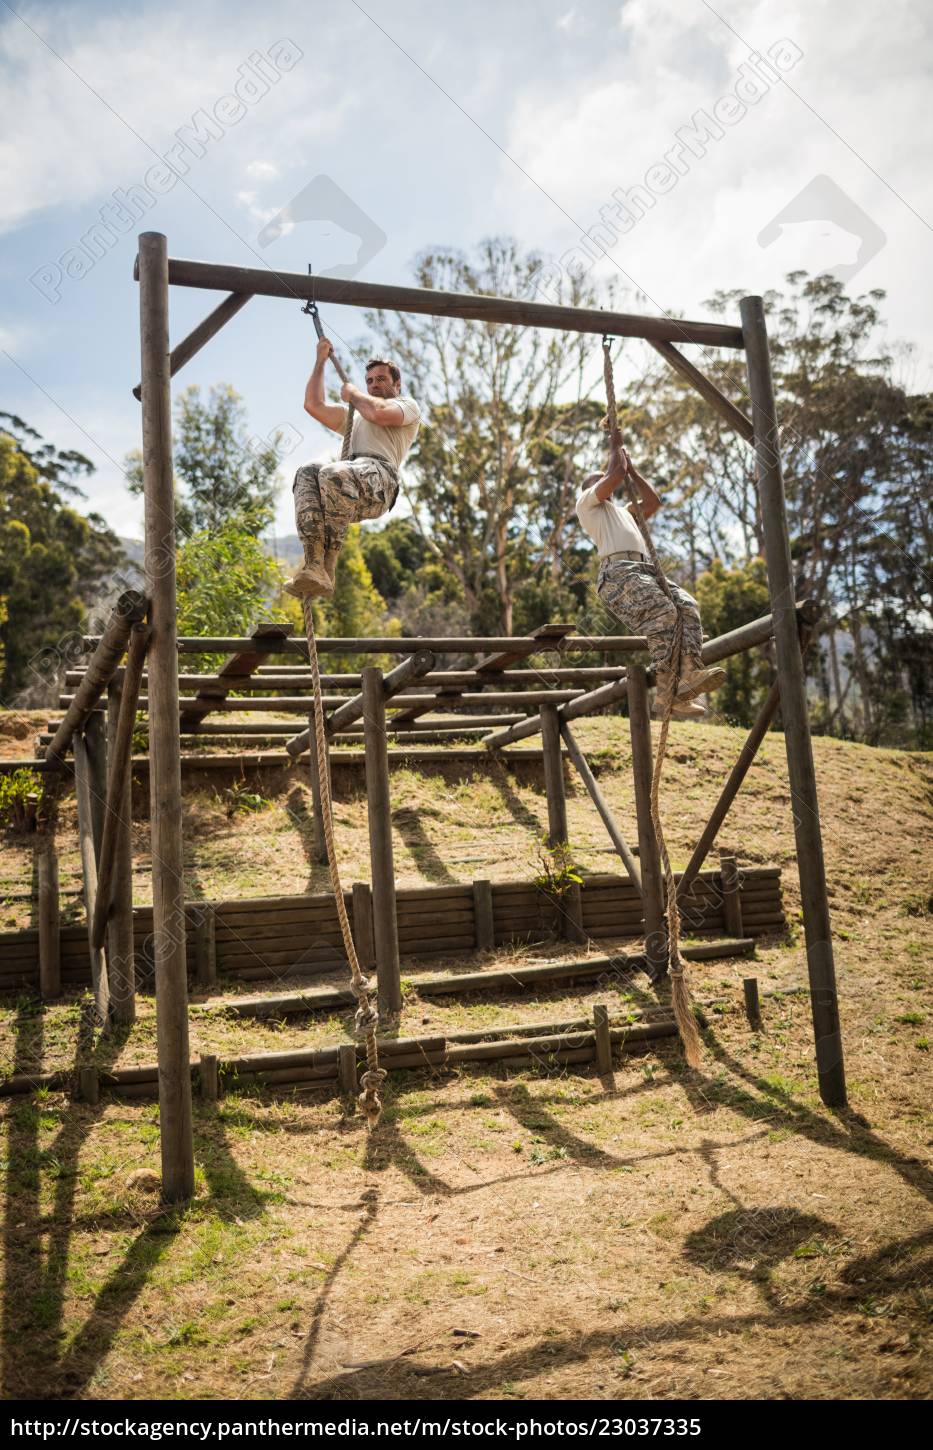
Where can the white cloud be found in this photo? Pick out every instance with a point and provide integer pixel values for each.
(263, 170)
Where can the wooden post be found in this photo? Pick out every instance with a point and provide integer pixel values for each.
(318, 839)
(603, 1039)
(652, 886)
(596, 796)
(346, 1071)
(572, 913)
(731, 893)
(117, 803)
(168, 915)
(483, 924)
(89, 872)
(50, 969)
(121, 961)
(209, 1077)
(553, 776)
(89, 1085)
(791, 674)
(363, 938)
(205, 949)
(95, 738)
(385, 923)
(752, 1004)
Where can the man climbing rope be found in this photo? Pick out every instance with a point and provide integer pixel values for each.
(329, 497)
(628, 585)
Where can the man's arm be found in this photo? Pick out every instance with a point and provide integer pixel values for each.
(618, 466)
(329, 414)
(375, 410)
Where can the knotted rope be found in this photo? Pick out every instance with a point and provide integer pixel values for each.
(367, 1015)
(681, 999)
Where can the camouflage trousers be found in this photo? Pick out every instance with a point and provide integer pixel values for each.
(329, 497)
(631, 590)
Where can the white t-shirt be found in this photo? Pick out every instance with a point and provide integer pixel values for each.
(391, 443)
(610, 525)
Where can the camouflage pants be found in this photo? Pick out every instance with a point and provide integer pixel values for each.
(329, 497)
(632, 592)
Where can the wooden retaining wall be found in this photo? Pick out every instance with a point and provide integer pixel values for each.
(274, 936)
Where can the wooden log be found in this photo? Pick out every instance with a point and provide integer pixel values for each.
(571, 907)
(363, 931)
(95, 740)
(347, 1075)
(596, 796)
(484, 931)
(652, 886)
(175, 1111)
(198, 336)
(794, 712)
(382, 868)
(205, 948)
(108, 651)
(223, 277)
(291, 1075)
(731, 897)
(417, 664)
(117, 795)
(89, 1085)
(121, 963)
(707, 389)
(89, 872)
(603, 1039)
(324, 1057)
(238, 667)
(752, 1004)
(209, 1077)
(395, 644)
(553, 776)
(48, 912)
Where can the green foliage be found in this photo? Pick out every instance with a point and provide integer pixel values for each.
(225, 582)
(356, 607)
(18, 791)
(54, 562)
(727, 599)
(558, 872)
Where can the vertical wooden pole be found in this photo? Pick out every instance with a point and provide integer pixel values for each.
(83, 797)
(89, 1085)
(121, 962)
(50, 963)
(484, 930)
(205, 947)
(572, 909)
(752, 1004)
(346, 1071)
(385, 923)
(95, 738)
(553, 776)
(603, 1040)
(731, 897)
(208, 1077)
(821, 968)
(363, 925)
(168, 915)
(652, 885)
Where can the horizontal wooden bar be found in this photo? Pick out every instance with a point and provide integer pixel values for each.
(396, 645)
(350, 292)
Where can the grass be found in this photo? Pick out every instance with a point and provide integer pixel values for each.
(719, 1234)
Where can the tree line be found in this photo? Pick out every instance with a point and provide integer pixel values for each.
(487, 538)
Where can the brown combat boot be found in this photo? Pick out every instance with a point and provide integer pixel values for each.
(331, 556)
(313, 580)
(698, 679)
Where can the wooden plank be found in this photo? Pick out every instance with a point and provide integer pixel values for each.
(108, 651)
(648, 855)
(382, 869)
(238, 666)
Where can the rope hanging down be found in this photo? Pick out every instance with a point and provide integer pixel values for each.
(681, 999)
(367, 1016)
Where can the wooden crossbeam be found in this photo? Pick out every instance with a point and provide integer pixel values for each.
(237, 668)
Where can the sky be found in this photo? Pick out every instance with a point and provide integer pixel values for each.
(675, 146)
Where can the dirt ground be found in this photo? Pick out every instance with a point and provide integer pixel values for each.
(717, 1234)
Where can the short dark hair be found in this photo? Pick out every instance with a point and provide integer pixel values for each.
(383, 362)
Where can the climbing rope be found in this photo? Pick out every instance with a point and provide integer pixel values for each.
(681, 999)
(367, 1015)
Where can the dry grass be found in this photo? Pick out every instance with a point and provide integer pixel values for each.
(668, 1234)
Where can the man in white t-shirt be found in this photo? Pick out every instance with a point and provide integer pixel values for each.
(628, 585)
(329, 497)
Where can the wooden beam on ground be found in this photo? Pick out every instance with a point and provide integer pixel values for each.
(599, 801)
(175, 1109)
(202, 334)
(350, 292)
(707, 389)
(108, 652)
(238, 667)
(116, 799)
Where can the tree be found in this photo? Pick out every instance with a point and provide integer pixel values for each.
(355, 609)
(225, 580)
(222, 475)
(59, 570)
(727, 599)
